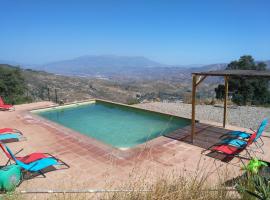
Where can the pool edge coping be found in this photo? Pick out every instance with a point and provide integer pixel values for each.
(107, 101)
(89, 141)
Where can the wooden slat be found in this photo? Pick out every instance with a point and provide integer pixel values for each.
(236, 73)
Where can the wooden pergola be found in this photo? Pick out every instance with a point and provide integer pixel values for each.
(198, 77)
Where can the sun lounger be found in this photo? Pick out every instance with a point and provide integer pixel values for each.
(239, 139)
(232, 151)
(10, 136)
(37, 165)
(9, 130)
(30, 157)
(244, 135)
(4, 106)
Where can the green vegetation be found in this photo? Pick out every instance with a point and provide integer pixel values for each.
(255, 183)
(12, 85)
(132, 100)
(254, 187)
(246, 91)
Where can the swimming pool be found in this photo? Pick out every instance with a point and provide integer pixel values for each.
(114, 124)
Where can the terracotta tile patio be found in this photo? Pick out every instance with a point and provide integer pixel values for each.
(94, 165)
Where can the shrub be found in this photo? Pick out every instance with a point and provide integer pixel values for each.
(12, 85)
(132, 100)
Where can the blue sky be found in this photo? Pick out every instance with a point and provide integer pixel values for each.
(172, 32)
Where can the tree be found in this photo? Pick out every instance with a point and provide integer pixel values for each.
(244, 91)
(220, 91)
(12, 84)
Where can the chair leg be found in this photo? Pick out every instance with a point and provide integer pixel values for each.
(260, 145)
(62, 162)
(18, 152)
(260, 151)
(242, 162)
(248, 154)
(41, 173)
(8, 162)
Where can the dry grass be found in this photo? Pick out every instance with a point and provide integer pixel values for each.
(175, 188)
(169, 187)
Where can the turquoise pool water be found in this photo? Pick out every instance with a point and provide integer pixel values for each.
(113, 124)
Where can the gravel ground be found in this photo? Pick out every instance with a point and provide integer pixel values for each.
(242, 116)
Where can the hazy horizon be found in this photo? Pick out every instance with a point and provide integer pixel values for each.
(15, 62)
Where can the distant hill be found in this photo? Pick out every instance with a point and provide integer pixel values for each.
(124, 67)
(79, 88)
(96, 65)
(267, 62)
(111, 66)
(130, 85)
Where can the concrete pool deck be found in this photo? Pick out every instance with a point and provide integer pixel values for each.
(94, 166)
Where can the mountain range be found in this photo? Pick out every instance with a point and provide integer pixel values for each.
(111, 66)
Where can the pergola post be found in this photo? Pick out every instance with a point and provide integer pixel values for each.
(194, 84)
(225, 101)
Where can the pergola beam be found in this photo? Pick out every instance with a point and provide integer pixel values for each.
(200, 79)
